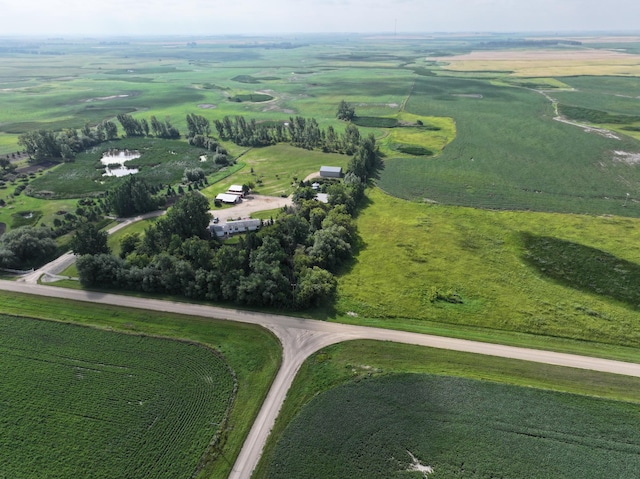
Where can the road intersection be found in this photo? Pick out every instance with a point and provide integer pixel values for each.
(302, 337)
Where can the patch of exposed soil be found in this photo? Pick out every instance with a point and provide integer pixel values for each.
(626, 157)
(105, 98)
(207, 106)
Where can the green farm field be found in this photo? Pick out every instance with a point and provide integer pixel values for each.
(103, 390)
(509, 153)
(369, 403)
(108, 404)
(373, 428)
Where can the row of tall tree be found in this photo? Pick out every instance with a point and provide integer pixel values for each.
(299, 131)
(66, 144)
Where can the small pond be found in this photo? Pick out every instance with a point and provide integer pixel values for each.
(114, 161)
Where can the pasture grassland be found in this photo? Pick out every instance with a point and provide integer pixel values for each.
(486, 269)
(509, 153)
(360, 361)
(84, 401)
(251, 352)
(460, 428)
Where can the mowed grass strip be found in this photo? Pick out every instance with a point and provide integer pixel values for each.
(86, 401)
(355, 364)
(422, 264)
(251, 352)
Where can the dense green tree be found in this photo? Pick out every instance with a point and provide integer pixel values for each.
(129, 243)
(133, 196)
(88, 239)
(197, 125)
(130, 125)
(345, 111)
(103, 270)
(189, 217)
(26, 246)
(314, 287)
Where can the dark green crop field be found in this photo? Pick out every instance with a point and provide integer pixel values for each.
(509, 153)
(81, 402)
(460, 428)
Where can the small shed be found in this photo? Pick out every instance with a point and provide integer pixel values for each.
(235, 190)
(228, 198)
(331, 172)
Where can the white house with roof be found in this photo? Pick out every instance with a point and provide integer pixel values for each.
(231, 227)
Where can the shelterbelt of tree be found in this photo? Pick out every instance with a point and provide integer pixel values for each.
(302, 337)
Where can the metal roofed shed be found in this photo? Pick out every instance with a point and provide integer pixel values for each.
(331, 172)
(228, 198)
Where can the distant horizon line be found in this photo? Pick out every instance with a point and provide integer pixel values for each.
(85, 36)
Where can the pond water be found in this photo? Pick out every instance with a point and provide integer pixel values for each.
(112, 158)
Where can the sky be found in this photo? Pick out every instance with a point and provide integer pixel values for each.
(247, 17)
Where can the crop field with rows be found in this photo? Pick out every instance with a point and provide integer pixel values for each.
(81, 402)
(372, 428)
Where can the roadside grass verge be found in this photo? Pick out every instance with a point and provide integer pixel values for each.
(352, 365)
(252, 352)
(456, 267)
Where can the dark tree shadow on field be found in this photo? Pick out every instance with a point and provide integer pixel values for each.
(584, 268)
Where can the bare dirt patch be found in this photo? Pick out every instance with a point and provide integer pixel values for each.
(207, 106)
(106, 98)
(626, 157)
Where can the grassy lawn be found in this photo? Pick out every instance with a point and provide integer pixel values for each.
(496, 392)
(252, 353)
(272, 169)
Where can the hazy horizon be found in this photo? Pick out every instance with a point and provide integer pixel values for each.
(289, 17)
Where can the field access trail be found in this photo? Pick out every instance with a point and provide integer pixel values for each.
(302, 337)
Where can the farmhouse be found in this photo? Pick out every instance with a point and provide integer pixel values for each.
(234, 226)
(331, 172)
(228, 198)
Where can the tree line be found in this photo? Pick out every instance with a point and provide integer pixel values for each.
(298, 131)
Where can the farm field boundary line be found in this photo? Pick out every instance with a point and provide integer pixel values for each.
(302, 337)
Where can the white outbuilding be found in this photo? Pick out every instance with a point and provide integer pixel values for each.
(331, 172)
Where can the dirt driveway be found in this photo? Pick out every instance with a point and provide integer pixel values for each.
(251, 204)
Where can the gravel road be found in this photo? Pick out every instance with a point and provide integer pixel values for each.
(302, 337)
